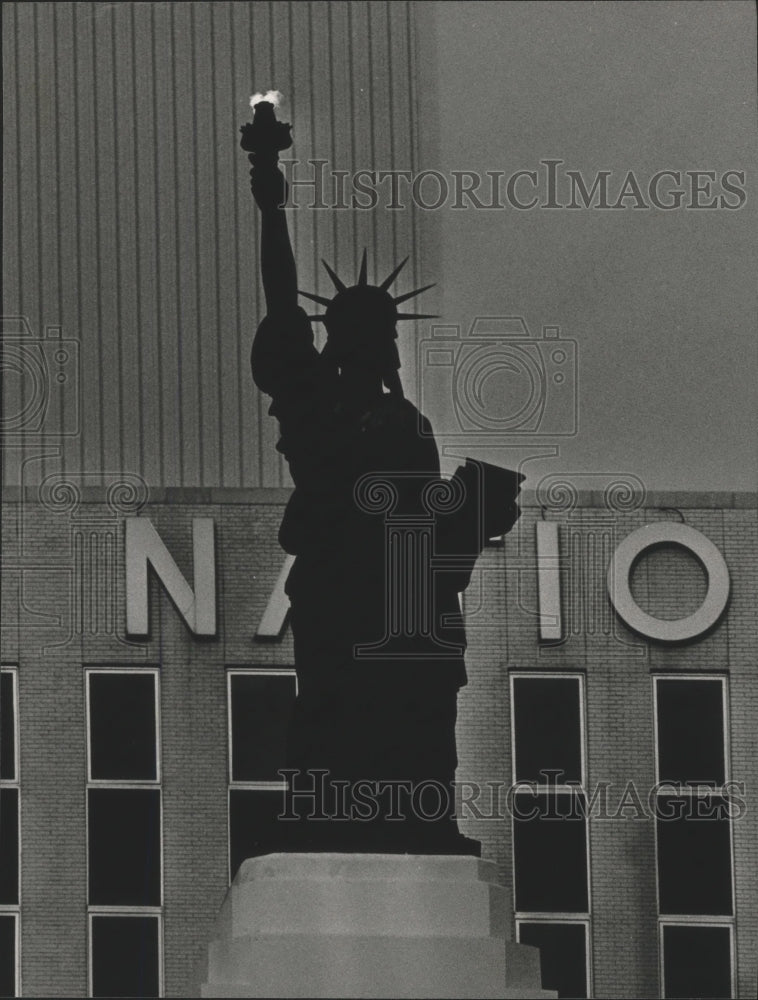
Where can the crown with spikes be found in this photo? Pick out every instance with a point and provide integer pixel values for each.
(361, 301)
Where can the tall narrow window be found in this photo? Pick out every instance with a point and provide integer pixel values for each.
(10, 835)
(549, 807)
(124, 833)
(260, 704)
(694, 836)
(697, 960)
(125, 955)
(563, 953)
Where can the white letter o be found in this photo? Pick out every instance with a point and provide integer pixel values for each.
(666, 532)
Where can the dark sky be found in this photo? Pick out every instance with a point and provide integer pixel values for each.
(661, 304)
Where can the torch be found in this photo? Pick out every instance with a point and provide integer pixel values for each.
(265, 137)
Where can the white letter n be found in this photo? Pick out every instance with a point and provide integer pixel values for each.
(144, 545)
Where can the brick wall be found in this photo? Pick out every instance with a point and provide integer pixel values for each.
(63, 610)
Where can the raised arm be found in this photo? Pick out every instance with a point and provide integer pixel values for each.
(277, 260)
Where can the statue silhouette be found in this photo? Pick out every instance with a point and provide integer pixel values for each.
(383, 547)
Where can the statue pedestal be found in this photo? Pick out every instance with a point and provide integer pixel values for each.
(368, 925)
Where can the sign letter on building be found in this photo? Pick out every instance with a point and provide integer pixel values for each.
(274, 617)
(144, 545)
(666, 533)
(548, 580)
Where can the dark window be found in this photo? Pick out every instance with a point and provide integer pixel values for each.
(9, 846)
(697, 962)
(125, 957)
(691, 731)
(7, 728)
(550, 852)
(7, 955)
(124, 847)
(252, 823)
(547, 728)
(694, 855)
(563, 955)
(261, 710)
(122, 726)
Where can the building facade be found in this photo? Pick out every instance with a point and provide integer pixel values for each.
(137, 770)
(611, 776)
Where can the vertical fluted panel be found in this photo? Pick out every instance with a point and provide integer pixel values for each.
(129, 223)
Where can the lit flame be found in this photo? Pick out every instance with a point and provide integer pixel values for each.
(274, 97)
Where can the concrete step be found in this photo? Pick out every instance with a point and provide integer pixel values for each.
(324, 965)
(387, 867)
(364, 906)
(368, 925)
(236, 990)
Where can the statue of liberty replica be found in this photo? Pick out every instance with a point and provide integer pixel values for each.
(383, 547)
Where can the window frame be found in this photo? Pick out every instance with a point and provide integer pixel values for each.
(14, 909)
(689, 787)
(252, 786)
(585, 922)
(248, 786)
(692, 916)
(113, 907)
(565, 788)
(12, 672)
(687, 790)
(532, 675)
(696, 921)
(125, 911)
(16, 917)
(147, 784)
(125, 782)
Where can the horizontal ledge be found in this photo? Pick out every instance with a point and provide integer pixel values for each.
(279, 495)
